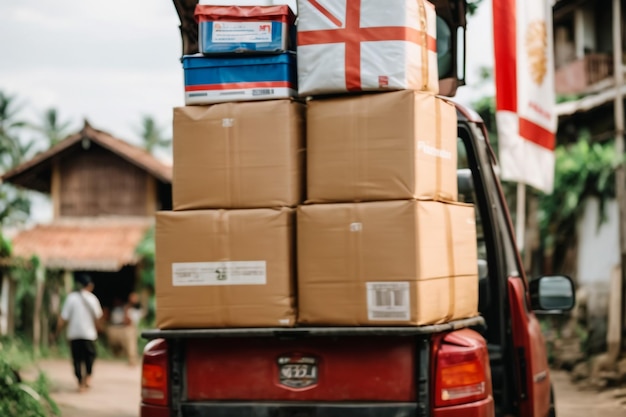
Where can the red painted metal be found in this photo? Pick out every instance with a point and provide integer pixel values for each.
(147, 410)
(529, 341)
(350, 369)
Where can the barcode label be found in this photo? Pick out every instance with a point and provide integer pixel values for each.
(263, 92)
(389, 301)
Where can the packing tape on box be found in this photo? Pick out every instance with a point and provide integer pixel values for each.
(440, 195)
(223, 233)
(356, 243)
(452, 289)
(424, 24)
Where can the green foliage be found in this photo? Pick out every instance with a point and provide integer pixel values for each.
(486, 108)
(52, 128)
(568, 97)
(24, 276)
(151, 135)
(5, 246)
(146, 252)
(472, 6)
(582, 170)
(19, 398)
(14, 204)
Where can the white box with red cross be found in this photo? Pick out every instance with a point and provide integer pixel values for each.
(366, 45)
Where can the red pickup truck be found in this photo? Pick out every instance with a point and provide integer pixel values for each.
(492, 365)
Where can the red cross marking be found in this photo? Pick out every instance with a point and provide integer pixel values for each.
(352, 34)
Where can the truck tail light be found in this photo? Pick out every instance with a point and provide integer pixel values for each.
(462, 373)
(154, 374)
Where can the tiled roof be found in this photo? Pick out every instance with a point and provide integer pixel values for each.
(83, 244)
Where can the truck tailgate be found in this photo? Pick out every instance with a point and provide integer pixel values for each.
(302, 369)
(301, 372)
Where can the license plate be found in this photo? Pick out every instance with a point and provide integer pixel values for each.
(297, 371)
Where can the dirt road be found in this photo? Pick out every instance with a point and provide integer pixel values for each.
(115, 393)
(115, 390)
(573, 401)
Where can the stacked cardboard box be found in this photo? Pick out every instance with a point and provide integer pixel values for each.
(381, 239)
(246, 53)
(226, 254)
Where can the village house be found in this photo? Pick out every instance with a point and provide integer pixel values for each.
(104, 193)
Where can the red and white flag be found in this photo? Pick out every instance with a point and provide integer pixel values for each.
(525, 108)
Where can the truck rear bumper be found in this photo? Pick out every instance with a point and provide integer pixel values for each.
(299, 410)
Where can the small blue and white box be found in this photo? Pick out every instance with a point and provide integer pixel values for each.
(243, 78)
(245, 29)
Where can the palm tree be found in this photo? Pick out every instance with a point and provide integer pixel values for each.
(14, 204)
(12, 151)
(151, 135)
(52, 127)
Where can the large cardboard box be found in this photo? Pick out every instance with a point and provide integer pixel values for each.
(386, 263)
(366, 45)
(374, 147)
(239, 155)
(225, 268)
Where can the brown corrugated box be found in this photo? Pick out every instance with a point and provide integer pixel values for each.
(225, 268)
(374, 147)
(239, 155)
(382, 263)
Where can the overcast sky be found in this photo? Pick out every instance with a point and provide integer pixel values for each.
(113, 61)
(109, 61)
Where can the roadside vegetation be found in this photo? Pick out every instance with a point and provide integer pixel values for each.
(19, 397)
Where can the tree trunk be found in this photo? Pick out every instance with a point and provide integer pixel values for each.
(7, 306)
(4, 304)
(40, 282)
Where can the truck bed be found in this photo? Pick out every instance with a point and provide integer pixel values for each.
(302, 371)
(474, 322)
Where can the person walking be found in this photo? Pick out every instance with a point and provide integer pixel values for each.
(81, 312)
(122, 327)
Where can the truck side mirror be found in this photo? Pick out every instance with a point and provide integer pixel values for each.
(552, 293)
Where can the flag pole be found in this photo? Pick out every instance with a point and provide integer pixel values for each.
(520, 216)
(617, 314)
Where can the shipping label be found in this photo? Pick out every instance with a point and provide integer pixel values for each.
(219, 273)
(388, 301)
(242, 32)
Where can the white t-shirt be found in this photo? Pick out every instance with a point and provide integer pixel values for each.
(80, 320)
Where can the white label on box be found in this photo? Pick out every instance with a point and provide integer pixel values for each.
(244, 94)
(388, 301)
(242, 32)
(433, 151)
(356, 227)
(186, 274)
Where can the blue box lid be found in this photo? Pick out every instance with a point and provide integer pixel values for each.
(202, 61)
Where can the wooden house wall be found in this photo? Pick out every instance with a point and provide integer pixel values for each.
(98, 182)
